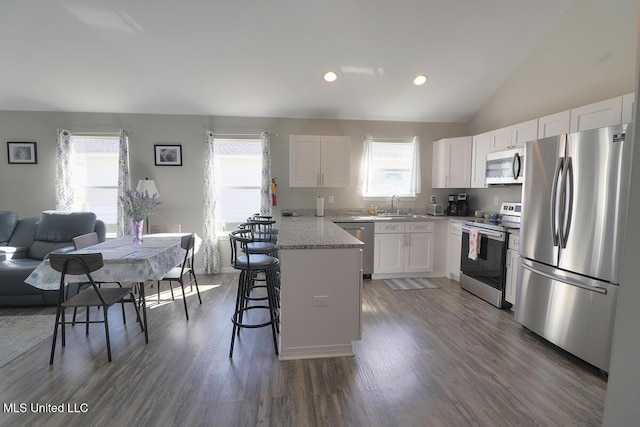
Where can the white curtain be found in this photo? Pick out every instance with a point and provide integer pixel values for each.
(265, 188)
(210, 243)
(124, 184)
(365, 166)
(64, 175)
(416, 179)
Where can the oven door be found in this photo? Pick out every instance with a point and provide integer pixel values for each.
(490, 265)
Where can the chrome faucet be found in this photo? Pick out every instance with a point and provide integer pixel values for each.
(397, 198)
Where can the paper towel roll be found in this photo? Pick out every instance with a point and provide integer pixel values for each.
(320, 206)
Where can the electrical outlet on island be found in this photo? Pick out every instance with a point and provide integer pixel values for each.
(331, 199)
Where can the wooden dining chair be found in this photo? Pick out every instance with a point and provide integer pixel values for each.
(183, 273)
(92, 296)
(165, 228)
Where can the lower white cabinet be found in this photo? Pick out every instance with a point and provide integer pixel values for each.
(513, 263)
(455, 247)
(403, 248)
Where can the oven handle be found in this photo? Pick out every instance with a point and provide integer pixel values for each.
(491, 234)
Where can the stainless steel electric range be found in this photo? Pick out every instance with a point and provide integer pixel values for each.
(483, 269)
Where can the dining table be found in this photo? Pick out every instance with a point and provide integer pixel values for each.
(124, 262)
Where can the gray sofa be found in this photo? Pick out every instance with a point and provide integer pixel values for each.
(24, 243)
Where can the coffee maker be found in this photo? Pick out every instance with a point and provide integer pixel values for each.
(452, 209)
(462, 204)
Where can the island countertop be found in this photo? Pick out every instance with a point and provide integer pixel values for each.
(306, 232)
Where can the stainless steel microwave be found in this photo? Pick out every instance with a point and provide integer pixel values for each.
(505, 167)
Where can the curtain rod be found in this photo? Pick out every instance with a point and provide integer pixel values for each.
(397, 139)
(109, 134)
(236, 135)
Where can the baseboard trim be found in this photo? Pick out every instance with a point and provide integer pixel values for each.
(316, 352)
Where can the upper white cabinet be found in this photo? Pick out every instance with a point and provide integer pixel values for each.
(523, 132)
(500, 139)
(452, 163)
(597, 115)
(513, 136)
(319, 161)
(480, 148)
(628, 102)
(554, 124)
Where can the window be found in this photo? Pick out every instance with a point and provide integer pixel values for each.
(390, 167)
(95, 177)
(238, 179)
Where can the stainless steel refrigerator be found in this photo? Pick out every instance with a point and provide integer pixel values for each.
(574, 199)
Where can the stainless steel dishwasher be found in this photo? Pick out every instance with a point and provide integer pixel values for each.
(362, 231)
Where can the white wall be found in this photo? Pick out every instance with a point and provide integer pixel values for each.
(588, 56)
(30, 189)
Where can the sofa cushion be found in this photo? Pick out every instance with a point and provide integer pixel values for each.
(10, 252)
(16, 271)
(8, 222)
(25, 232)
(57, 226)
(39, 249)
(56, 229)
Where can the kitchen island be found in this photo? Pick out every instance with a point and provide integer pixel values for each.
(321, 288)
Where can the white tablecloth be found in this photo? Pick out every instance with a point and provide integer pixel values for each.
(123, 261)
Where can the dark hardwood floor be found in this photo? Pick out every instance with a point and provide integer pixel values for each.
(428, 357)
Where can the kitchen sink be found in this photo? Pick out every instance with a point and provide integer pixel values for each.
(370, 218)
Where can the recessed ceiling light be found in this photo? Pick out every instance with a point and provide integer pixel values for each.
(330, 76)
(420, 80)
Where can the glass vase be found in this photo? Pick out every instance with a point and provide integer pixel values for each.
(136, 228)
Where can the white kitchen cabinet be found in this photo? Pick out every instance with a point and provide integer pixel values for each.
(500, 139)
(554, 124)
(455, 247)
(513, 136)
(523, 132)
(419, 246)
(388, 253)
(480, 148)
(597, 115)
(319, 161)
(513, 263)
(403, 249)
(628, 102)
(452, 163)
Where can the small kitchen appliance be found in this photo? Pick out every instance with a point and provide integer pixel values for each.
(452, 209)
(435, 209)
(505, 167)
(462, 204)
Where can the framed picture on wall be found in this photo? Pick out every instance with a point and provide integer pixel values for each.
(168, 155)
(22, 152)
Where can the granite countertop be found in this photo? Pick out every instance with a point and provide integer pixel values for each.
(307, 232)
(370, 218)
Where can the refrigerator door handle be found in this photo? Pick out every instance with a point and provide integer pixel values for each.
(554, 199)
(566, 196)
(566, 280)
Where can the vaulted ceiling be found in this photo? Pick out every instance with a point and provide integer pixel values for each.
(259, 58)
